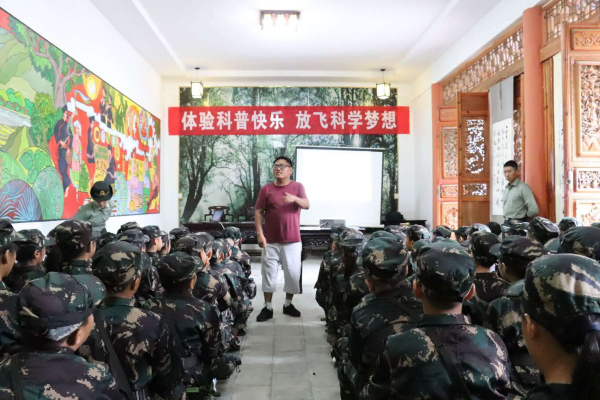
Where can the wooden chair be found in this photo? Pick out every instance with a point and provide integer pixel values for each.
(212, 209)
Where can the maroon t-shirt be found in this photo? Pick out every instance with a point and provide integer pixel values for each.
(282, 221)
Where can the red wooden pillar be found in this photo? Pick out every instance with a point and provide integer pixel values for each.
(535, 173)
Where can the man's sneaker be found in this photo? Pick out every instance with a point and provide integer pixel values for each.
(265, 314)
(291, 311)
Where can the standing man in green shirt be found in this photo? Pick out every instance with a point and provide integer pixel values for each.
(518, 200)
(98, 211)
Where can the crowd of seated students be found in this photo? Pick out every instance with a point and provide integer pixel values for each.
(480, 312)
(139, 314)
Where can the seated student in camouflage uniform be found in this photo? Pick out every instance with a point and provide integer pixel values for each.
(194, 323)
(351, 247)
(583, 240)
(444, 356)
(561, 325)
(441, 232)
(30, 256)
(551, 247)
(503, 315)
(543, 230)
(330, 257)
(74, 249)
(166, 248)
(461, 233)
(235, 234)
(55, 315)
(210, 286)
(515, 228)
(389, 304)
(235, 265)
(178, 233)
(10, 335)
(155, 243)
(127, 226)
(150, 286)
(416, 233)
(140, 338)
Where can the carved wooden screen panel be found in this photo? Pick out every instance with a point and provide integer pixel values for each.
(473, 158)
(581, 93)
(447, 182)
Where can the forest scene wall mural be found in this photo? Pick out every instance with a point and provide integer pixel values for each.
(229, 170)
(62, 129)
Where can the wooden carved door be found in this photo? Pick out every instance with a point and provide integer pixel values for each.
(473, 158)
(581, 107)
(445, 161)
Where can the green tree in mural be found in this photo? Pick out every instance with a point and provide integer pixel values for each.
(43, 119)
(54, 65)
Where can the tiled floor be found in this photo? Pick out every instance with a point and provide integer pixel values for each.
(285, 358)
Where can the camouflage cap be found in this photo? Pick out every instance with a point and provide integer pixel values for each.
(480, 245)
(418, 232)
(383, 235)
(105, 239)
(232, 232)
(180, 232)
(520, 247)
(57, 300)
(225, 245)
(152, 231)
(117, 264)
(462, 232)
(127, 226)
(75, 234)
(542, 229)
(385, 260)
(515, 228)
(51, 237)
(34, 237)
(446, 272)
(495, 228)
(336, 231)
(133, 236)
(189, 244)
(178, 267)
(353, 240)
(583, 240)
(443, 231)
(8, 235)
(166, 238)
(478, 228)
(558, 290)
(568, 222)
(206, 239)
(393, 229)
(217, 248)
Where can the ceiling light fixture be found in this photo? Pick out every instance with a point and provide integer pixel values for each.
(197, 87)
(279, 21)
(383, 89)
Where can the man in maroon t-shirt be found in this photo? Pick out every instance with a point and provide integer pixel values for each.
(280, 202)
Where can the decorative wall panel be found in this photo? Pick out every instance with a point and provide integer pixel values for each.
(587, 211)
(475, 189)
(450, 157)
(565, 11)
(587, 180)
(449, 191)
(589, 111)
(448, 114)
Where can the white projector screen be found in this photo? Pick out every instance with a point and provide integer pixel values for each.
(341, 183)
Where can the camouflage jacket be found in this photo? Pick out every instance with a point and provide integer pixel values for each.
(10, 334)
(242, 258)
(212, 287)
(21, 274)
(323, 280)
(58, 374)
(411, 368)
(235, 285)
(504, 318)
(150, 286)
(489, 286)
(375, 319)
(196, 321)
(78, 267)
(356, 291)
(142, 342)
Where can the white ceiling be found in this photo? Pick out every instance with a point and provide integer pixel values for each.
(347, 40)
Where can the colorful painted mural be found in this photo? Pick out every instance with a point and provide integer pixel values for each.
(62, 129)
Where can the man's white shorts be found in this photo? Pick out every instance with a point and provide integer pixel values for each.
(288, 256)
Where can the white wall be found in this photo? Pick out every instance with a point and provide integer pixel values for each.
(80, 30)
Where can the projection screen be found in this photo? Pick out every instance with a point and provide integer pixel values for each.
(341, 183)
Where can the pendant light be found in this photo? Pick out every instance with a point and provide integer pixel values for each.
(383, 89)
(197, 87)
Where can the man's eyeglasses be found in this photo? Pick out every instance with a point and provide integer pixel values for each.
(280, 166)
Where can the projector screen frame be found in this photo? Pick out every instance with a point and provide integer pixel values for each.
(342, 148)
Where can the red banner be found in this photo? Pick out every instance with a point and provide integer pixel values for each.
(288, 120)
